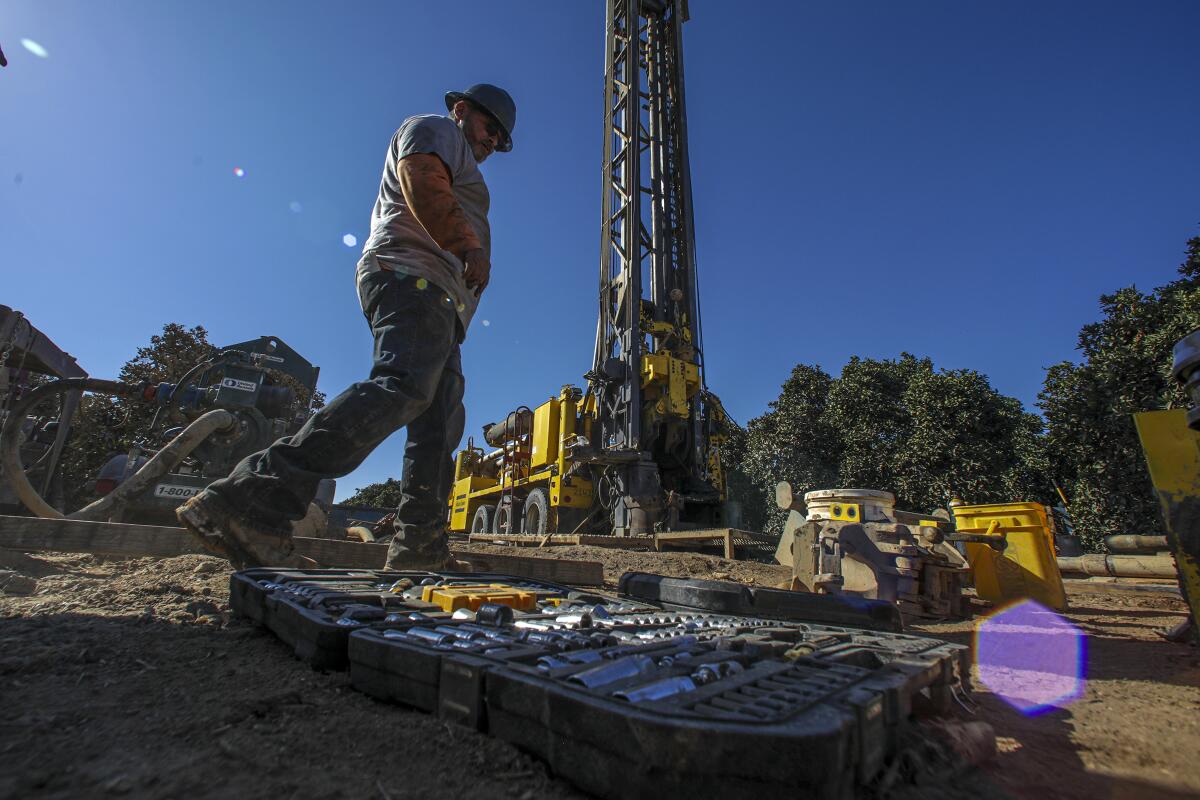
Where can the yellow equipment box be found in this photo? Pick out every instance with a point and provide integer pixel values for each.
(1028, 567)
(452, 598)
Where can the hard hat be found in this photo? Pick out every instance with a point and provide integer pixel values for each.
(496, 102)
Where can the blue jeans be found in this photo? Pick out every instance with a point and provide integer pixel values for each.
(416, 381)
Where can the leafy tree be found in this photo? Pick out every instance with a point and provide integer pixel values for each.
(1125, 368)
(380, 495)
(791, 442)
(897, 425)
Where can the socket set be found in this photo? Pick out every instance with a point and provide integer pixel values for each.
(622, 696)
(314, 611)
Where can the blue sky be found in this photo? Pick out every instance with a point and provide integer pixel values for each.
(958, 180)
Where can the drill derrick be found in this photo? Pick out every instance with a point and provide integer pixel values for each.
(647, 379)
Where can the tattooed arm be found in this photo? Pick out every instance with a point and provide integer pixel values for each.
(425, 183)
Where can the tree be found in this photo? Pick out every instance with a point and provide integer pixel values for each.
(900, 426)
(791, 442)
(1125, 368)
(379, 495)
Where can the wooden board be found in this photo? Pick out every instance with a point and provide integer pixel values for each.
(697, 539)
(594, 540)
(730, 539)
(124, 539)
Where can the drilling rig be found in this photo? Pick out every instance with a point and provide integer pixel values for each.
(639, 449)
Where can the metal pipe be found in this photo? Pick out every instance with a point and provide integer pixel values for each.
(1120, 566)
(1128, 542)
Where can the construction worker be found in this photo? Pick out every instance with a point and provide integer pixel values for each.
(423, 269)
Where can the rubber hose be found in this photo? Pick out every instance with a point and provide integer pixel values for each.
(10, 436)
(163, 462)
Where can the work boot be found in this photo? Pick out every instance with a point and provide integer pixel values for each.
(244, 541)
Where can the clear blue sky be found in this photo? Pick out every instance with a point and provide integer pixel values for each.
(956, 179)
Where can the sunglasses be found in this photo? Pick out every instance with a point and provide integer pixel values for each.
(491, 124)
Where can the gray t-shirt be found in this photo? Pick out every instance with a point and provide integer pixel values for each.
(398, 240)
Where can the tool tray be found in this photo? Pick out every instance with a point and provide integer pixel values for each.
(675, 703)
(621, 696)
(314, 611)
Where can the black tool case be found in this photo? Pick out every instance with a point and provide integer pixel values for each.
(670, 704)
(314, 611)
(622, 696)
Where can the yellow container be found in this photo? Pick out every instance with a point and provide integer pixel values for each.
(452, 598)
(1028, 567)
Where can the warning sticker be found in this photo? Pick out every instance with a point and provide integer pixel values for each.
(241, 386)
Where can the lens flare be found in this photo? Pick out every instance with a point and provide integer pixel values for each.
(1031, 657)
(238, 172)
(422, 283)
(487, 323)
(35, 48)
(349, 240)
(295, 207)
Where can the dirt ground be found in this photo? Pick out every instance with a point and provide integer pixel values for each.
(131, 678)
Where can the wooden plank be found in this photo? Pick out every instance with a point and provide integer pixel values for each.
(561, 539)
(558, 570)
(124, 539)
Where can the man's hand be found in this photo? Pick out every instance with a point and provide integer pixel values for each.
(477, 271)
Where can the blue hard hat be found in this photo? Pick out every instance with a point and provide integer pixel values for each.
(496, 102)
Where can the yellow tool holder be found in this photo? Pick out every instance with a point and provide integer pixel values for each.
(1028, 567)
(452, 598)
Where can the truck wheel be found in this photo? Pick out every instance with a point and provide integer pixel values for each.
(506, 519)
(537, 512)
(482, 521)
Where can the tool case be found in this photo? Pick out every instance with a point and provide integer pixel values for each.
(620, 695)
(665, 703)
(314, 611)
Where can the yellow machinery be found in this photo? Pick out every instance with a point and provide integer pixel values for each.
(1026, 566)
(639, 450)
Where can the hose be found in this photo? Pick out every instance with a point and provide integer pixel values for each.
(162, 463)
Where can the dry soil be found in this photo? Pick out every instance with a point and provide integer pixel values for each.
(131, 678)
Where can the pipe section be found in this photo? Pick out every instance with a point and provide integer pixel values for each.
(1120, 566)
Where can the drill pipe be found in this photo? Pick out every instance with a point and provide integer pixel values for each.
(1120, 566)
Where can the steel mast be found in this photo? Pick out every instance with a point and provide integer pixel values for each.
(647, 374)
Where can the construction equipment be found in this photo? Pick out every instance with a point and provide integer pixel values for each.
(27, 359)
(1026, 566)
(1171, 441)
(639, 450)
(224, 408)
(854, 541)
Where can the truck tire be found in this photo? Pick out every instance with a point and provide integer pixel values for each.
(482, 521)
(537, 513)
(507, 519)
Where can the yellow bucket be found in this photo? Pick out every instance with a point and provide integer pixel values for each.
(1028, 567)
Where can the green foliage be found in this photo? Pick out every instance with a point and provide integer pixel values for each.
(380, 495)
(105, 426)
(1125, 368)
(897, 425)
